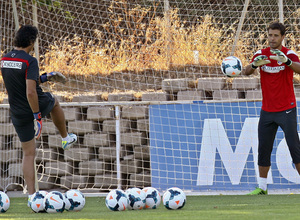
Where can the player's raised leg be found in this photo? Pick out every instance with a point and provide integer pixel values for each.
(58, 118)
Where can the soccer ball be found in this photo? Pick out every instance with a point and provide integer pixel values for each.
(67, 204)
(116, 200)
(4, 202)
(76, 200)
(37, 201)
(153, 198)
(231, 66)
(137, 198)
(174, 198)
(54, 202)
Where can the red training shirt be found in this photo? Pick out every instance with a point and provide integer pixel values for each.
(276, 80)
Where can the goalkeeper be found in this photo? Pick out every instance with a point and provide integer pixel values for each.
(28, 103)
(277, 65)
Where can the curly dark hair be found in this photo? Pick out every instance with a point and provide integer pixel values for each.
(277, 26)
(25, 36)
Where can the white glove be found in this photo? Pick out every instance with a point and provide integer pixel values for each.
(53, 77)
(281, 57)
(259, 61)
(56, 77)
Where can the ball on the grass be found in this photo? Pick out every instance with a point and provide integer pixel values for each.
(116, 200)
(174, 198)
(153, 197)
(54, 202)
(4, 202)
(76, 199)
(37, 201)
(67, 204)
(231, 66)
(136, 197)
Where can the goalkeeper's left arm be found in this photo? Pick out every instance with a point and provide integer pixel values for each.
(53, 77)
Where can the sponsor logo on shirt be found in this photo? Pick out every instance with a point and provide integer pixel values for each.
(11, 64)
(273, 69)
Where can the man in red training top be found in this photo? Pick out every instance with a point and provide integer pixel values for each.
(277, 65)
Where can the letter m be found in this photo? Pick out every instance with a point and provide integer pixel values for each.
(214, 137)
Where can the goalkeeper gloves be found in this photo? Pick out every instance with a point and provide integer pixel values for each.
(53, 76)
(281, 57)
(259, 61)
(37, 124)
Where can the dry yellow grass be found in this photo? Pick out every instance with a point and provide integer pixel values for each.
(162, 43)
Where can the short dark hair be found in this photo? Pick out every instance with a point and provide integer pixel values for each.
(277, 26)
(25, 36)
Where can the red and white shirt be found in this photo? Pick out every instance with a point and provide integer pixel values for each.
(277, 82)
(16, 67)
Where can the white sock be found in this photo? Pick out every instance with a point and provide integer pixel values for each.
(262, 183)
(66, 138)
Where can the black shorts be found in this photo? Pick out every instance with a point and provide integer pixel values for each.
(24, 124)
(267, 129)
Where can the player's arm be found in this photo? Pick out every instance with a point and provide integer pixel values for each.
(249, 70)
(295, 67)
(53, 77)
(33, 101)
(32, 96)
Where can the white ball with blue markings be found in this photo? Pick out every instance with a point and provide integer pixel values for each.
(174, 198)
(153, 197)
(4, 202)
(76, 199)
(137, 198)
(54, 202)
(38, 201)
(231, 66)
(116, 200)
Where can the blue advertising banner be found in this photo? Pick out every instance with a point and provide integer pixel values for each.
(213, 146)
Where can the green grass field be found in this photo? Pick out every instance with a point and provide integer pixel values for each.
(197, 207)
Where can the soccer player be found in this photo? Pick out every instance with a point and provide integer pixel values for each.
(277, 65)
(28, 103)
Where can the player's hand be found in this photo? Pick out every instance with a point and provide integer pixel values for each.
(37, 124)
(53, 77)
(56, 77)
(259, 61)
(280, 56)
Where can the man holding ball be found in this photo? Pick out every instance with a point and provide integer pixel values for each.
(277, 65)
